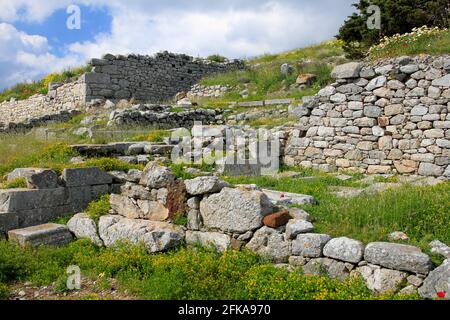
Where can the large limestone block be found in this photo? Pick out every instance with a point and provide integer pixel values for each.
(204, 185)
(270, 243)
(234, 210)
(310, 245)
(15, 200)
(156, 176)
(46, 234)
(138, 209)
(84, 227)
(398, 257)
(381, 280)
(156, 236)
(36, 178)
(78, 177)
(348, 70)
(438, 281)
(328, 267)
(344, 249)
(218, 241)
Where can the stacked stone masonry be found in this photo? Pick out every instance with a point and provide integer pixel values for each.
(392, 117)
(49, 196)
(142, 78)
(223, 217)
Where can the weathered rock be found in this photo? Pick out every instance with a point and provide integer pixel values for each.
(287, 198)
(194, 220)
(155, 176)
(437, 281)
(84, 227)
(310, 245)
(344, 249)
(156, 236)
(270, 243)
(85, 176)
(300, 214)
(218, 241)
(276, 220)
(348, 70)
(176, 198)
(205, 185)
(234, 210)
(398, 257)
(36, 178)
(398, 235)
(49, 234)
(136, 191)
(382, 280)
(328, 267)
(295, 227)
(440, 248)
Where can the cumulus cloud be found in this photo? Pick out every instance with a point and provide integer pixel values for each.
(234, 28)
(25, 57)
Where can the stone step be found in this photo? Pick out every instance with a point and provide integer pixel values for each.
(49, 234)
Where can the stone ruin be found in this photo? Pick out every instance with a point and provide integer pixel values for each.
(141, 78)
(392, 117)
(220, 216)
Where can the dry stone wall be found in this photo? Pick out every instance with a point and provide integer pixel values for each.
(392, 117)
(145, 78)
(60, 104)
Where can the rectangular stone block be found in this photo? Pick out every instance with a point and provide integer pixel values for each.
(15, 200)
(278, 101)
(79, 197)
(27, 218)
(79, 177)
(45, 234)
(8, 221)
(251, 104)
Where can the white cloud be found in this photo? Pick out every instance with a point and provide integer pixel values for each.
(198, 27)
(25, 57)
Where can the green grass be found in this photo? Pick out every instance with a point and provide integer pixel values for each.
(264, 79)
(99, 208)
(421, 212)
(14, 184)
(180, 274)
(428, 42)
(22, 91)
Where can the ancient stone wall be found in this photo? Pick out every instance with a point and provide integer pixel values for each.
(49, 196)
(57, 105)
(392, 117)
(146, 78)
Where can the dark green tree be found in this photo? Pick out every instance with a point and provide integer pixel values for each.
(397, 16)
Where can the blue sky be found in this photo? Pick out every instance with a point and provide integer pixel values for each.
(34, 39)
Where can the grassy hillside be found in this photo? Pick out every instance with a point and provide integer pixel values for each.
(22, 91)
(263, 78)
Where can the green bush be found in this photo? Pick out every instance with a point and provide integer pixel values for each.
(99, 208)
(217, 58)
(15, 183)
(110, 164)
(4, 291)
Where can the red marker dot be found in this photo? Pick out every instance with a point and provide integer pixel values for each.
(441, 294)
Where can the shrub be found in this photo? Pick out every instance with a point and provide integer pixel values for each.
(4, 291)
(110, 164)
(217, 58)
(99, 208)
(15, 183)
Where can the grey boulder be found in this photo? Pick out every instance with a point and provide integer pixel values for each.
(344, 249)
(234, 210)
(156, 236)
(155, 176)
(270, 243)
(310, 245)
(437, 281)
(348, 70)
(204, 185)
(398, 257)
(84, 227)
(215, 240)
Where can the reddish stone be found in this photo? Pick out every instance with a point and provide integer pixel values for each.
(176, 198)
(383, 121)
(278, 219)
